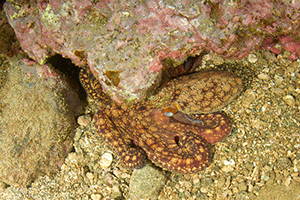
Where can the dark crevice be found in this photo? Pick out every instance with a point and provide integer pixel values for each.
(1, 4)
(70, 72)
(176, 138)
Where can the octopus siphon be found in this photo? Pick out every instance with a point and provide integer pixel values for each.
(176, 128)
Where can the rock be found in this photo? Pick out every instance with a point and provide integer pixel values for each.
(284, 163)
(242, 186)
(9, 44)
(106, 160)
(289, 100)
(96, 196)
(252, 58)
(220, 182)
(146, 183)
(278, 79)
(227, 168)
(263, 76)
(125, 43)
(37, 122)
(248, 98)
(84, 120)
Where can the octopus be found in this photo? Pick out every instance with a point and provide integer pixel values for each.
(176, 128)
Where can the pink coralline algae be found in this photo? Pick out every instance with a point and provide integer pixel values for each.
(284, 42)
(131, 39)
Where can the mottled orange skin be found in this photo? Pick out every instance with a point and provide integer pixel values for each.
(179, 142)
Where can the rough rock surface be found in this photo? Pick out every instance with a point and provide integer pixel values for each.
(125, 43)
(145, 183)
(37, 121)
(9, 45)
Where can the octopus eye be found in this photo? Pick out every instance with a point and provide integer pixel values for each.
(170, 111)
(168, 114)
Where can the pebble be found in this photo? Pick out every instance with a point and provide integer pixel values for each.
(248, 98)
(227, 168)
(255, 171)
(278, 79)
(218, 60)
(90, 176)
(84, 120)
(116, 192)
(242, 186)
(278, 91)
(203, 190)
(257, 124)
(252, 58)
(220, 182)
(230, 162)
(284, 163)
(270, 56)
(287, 181)
(106, 160)
(146, 183)
(263, 76)
(95, 196)
(250, 188)
(289, 100)
(286, 54)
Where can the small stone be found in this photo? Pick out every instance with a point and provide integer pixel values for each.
(250, 188)
(235, 190)
(248, 98)
(84, 120)
(288, 181)
(296, 178)
(227, 182)
(270, 56)
(116, 192)
(257, 124)
(146, 183)
(230, 162)
(252, 58)
(286, 54)
(264, 176)
(226, 193)
(289, 100)
(295, 64)
(227, 168)
(90, 176)
(263, 76)
(284, 163)
(95, 196)
(278, 79)
(220, 182)
(106, 160)
(255, 171)
(242, 186)
(203, 190)
(218, 60)
(278, 91)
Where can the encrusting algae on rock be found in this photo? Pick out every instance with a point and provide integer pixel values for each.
(168, 134)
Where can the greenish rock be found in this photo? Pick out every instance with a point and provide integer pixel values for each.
(146, 183)
(37, 122)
